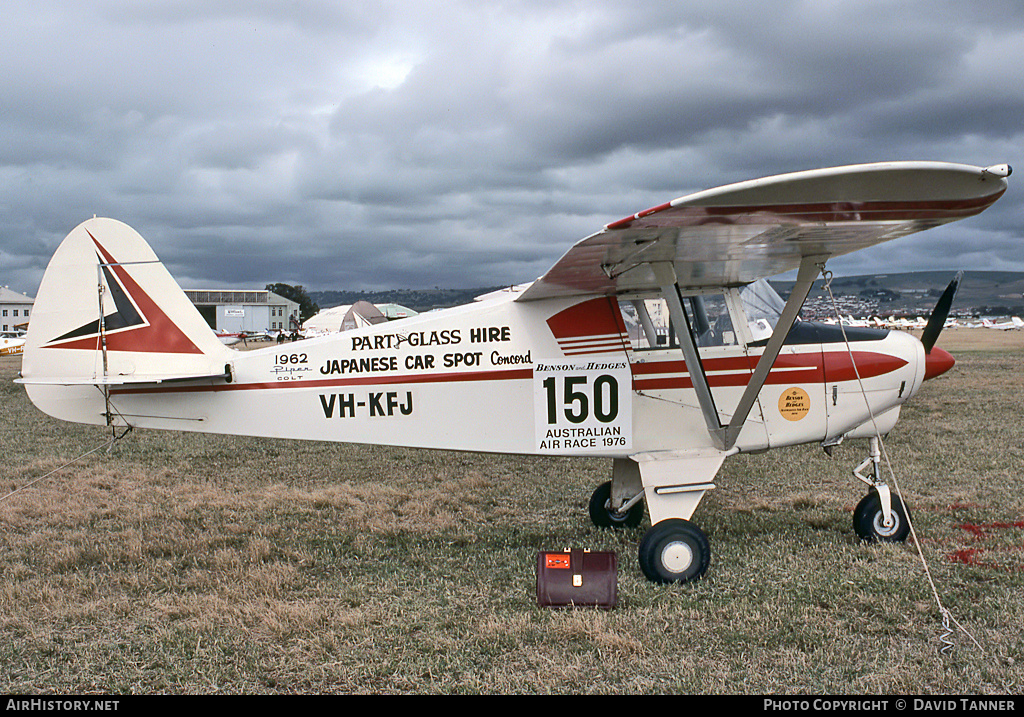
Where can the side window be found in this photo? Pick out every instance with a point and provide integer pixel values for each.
(647, 323)
(650, 327)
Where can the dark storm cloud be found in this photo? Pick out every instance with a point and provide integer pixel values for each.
(400, 144)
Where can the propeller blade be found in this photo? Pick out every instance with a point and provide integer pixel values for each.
(938, 318)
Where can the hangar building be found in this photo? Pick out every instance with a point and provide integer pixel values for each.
(233, 311)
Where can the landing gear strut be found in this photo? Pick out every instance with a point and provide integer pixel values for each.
(880, 516)
(673, 550)
(603, 515)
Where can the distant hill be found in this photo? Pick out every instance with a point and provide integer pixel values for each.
(418, 300)
(981, 293)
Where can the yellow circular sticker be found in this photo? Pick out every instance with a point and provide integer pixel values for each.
(794, 404)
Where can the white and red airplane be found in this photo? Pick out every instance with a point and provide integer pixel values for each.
(11, 344)
(550, 369)
(1013, 324)
(230, 339)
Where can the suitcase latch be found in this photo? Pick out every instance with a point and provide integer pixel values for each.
(577, 580)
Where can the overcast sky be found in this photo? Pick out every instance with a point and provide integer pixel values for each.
(348, 145)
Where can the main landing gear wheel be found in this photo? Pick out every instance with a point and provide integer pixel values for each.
(869, 520)
(674, 551)
(603, 516)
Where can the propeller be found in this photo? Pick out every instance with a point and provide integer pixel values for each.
(938, 318)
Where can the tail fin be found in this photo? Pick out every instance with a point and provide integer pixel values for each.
(108, 312)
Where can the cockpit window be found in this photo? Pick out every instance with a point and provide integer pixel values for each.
(708, 315)
(650, 327)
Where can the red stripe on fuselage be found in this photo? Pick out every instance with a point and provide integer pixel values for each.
(376, 380)
(731, 371)
(832, 366)
(838, 366)
(592, 320)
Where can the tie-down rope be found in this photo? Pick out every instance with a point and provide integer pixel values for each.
(107, 444)
(947, 617)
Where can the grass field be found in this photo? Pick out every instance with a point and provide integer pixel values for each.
(181, 563)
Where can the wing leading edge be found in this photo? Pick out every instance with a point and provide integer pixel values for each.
(742, 232)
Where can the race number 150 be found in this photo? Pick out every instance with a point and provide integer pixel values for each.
(579, 399)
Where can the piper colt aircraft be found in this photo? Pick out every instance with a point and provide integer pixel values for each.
(550, 368)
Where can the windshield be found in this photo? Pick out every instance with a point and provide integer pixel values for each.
(763, 307)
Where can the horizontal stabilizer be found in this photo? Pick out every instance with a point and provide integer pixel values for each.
(122, 380)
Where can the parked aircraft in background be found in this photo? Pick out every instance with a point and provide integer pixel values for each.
(1014, 323)
(846, 321)
(11, 344)
(230, 339)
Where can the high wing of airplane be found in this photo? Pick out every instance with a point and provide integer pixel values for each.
(551, 369)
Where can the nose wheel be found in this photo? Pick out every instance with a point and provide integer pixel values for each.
(872, 526)
(880, 516)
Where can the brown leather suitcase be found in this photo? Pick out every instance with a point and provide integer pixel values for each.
(577, 578)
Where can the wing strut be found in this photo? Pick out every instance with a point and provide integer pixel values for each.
(665, 274)
(810, 267)
(725, 436)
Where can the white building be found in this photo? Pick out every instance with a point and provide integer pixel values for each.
(232, 311)
(15, 309)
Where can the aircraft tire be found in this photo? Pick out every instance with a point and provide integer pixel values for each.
(868, 520)
(674, 551)
(602, 517)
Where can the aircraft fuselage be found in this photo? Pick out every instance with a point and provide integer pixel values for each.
(562, 378)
